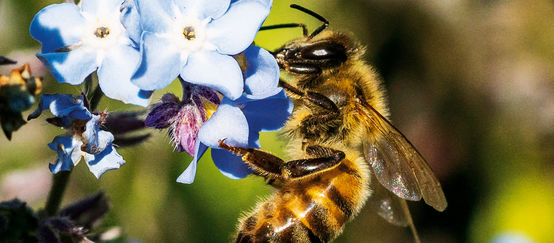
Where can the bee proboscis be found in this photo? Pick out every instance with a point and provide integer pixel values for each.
(340, 134)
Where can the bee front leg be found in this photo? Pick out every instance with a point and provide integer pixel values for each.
(316, 99)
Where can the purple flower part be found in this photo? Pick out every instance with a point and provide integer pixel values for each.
(169, 97)
(228, 123)
(185, 128)
(210, 94)
(162, 115)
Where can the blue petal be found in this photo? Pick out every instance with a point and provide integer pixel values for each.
(211, 69)
(266, 3)
(188, 175)
(262, 72)
(57, 26)
(160, 65)
(230, 165)
(204, 9)
(96, 140)
(69, 153)
(155, 16)
(63, 106)
(235, 31)
(227, 123)
(114, 75)
(108, 159)
(100, 8)
(70, 67)
(131, 20)
(268, 114)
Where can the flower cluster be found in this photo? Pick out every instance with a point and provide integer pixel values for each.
(202, 118)
(138, 46)
(83, 138)
(143, 45)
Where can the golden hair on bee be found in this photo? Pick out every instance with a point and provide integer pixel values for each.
(340, 138)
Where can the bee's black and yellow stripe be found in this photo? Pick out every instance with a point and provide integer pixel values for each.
(312, 209)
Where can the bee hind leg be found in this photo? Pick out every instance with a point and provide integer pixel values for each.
(264, 163)
(273, 167)
(324, 158)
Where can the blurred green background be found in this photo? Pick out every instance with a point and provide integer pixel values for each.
(470, 83)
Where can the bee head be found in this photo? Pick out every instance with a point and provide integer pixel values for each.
(314, 53)
(326, 51)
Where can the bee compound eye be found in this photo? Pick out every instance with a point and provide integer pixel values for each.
(331, 52)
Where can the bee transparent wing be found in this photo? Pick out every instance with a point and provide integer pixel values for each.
(396, 163)
(387, 205)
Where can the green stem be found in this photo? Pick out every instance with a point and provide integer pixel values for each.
(57, 190)
(95, 99)
(88, 85)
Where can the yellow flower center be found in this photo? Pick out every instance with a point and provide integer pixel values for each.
(189, 33)
(210, 108)
(102, 32)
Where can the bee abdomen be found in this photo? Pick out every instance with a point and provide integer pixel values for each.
(312, 211)
(269, 230)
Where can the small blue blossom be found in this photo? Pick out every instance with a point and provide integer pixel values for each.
(77, 41)
(204, 117)
(195, 39)
(83, 138)
(239, 122)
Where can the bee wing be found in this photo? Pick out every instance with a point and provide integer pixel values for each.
(396, 163)
(387, 205)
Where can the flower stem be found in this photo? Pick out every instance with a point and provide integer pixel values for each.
(88, 85)
(96, 97)
(57, 190)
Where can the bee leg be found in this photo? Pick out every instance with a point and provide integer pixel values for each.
(304, 167)
(320, 151)
(264, 163)
(317, 99)
(273, 167)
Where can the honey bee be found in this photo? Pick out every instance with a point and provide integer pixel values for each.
(341, 134)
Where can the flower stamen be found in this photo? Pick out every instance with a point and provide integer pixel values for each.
(189, 33)
(102, 32)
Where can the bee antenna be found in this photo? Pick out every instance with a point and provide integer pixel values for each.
(315, 15)
(291, 25)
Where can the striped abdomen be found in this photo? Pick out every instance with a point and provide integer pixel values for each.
(311, 209)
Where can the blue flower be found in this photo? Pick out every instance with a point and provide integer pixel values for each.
(83, 137)
(77, 41)
(194, 39)
(239, 123)
(203, 117)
